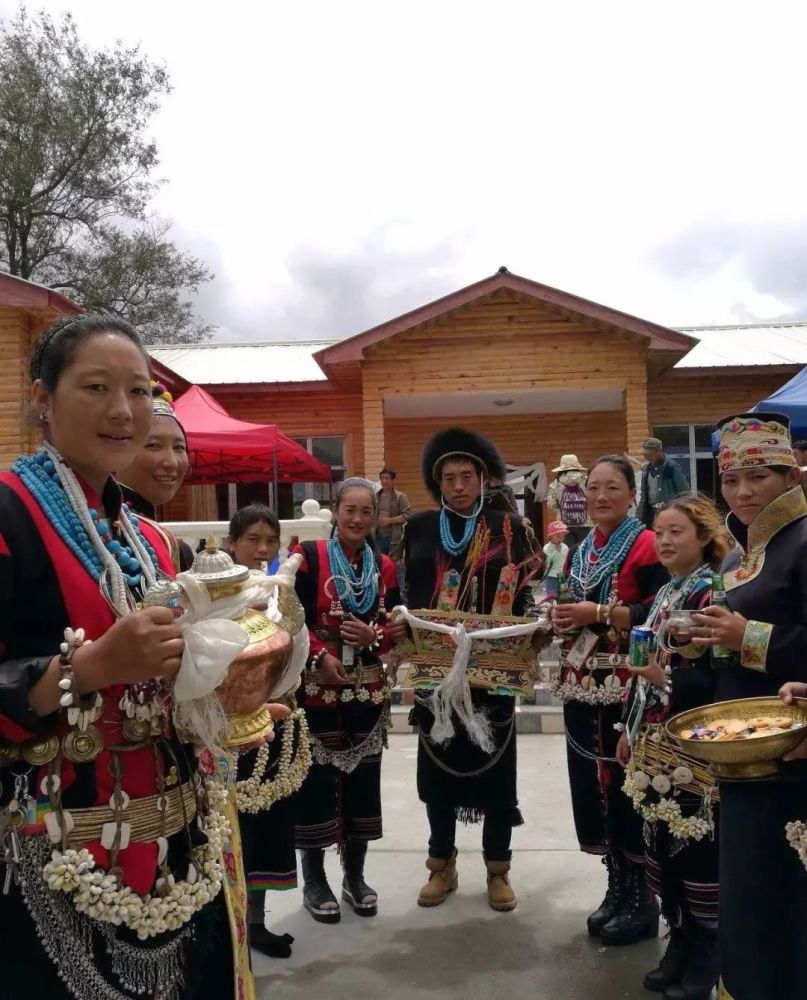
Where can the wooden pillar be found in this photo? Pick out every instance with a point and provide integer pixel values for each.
(637, 424)
(373, 417)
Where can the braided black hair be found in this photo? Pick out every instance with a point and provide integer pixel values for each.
(53, 349)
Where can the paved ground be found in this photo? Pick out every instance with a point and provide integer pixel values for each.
(462, 950)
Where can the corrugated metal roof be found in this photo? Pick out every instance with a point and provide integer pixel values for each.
(219, 364)
(753, 345)
(756, 345)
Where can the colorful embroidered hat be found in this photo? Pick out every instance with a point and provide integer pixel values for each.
(748, 440)
(162, 402)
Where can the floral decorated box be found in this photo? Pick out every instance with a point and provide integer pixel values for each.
(504, 665)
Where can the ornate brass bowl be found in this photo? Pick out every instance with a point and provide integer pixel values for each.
(251, 679)
(265, 670)
(759, 757)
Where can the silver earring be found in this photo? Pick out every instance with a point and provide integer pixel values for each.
(43, 417)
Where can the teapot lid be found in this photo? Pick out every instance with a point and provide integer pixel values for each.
(213, 566)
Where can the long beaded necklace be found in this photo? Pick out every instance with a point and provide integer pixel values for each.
(593, 568)
(115, 565)
(357, 591)
(450, 544)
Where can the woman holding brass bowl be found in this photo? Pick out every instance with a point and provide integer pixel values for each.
(761, 639)
(113, 834)
(614, 576)
(346, 588)
(457, 777)
(674, 795)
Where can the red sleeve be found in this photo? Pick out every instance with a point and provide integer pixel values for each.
(389, 575)
(391, 598)
(641, 574)
(298, 550)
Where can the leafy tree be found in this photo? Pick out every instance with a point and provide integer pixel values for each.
(76, 177)
(136, 276)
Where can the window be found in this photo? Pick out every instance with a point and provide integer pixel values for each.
(690, 445)
(328, 450)
(231, 497)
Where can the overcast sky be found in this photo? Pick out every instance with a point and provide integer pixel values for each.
(338, 163)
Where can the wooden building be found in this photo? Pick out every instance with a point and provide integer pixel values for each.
(25, 310)
(541, 371)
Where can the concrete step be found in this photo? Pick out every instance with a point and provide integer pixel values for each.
(541, 719)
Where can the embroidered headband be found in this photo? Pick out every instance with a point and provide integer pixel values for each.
(162, 402)
(749, 440)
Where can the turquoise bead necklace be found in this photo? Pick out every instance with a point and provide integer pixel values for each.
(356, 590)
(451, 545)
(131, 562)
(593, 568)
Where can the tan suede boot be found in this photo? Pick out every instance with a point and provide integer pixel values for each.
(442, 880)
(500, 892)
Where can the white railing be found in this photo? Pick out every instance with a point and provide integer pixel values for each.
(315, 523)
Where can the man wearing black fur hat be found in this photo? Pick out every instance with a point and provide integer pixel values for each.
(459, 779)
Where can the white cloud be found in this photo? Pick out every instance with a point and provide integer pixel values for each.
(337, 163)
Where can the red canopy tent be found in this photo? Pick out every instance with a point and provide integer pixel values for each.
(225, 450)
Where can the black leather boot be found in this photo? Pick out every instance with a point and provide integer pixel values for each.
(355, 890)
(670, 970)
(703, 962)
(607, 908)
(636, 918)
(317, 896)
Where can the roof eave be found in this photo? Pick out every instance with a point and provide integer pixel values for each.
(297, 386)
(351, 349)
(18, 293)
(783, 366)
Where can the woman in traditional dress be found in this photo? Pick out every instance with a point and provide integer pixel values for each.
(347, 589)
(681, 846)
(461, 779)
(266, 815)
(112, 833)
(763, 885)
(159, 470)
(614, 576)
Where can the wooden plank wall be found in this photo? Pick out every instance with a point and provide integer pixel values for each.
(14, 327)
(706, 398)
(18, 330)
(500, 343)
(521, 440)
(300, 414)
